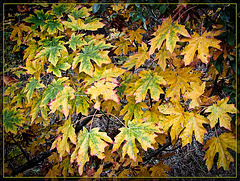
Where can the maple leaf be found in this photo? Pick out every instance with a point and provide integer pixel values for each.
(61, 101)
(35, 108)
(178, 81)
(137, 59)
(76, 41)
(51, 91)
(194, 124)
(122, 46)
(104, 88)
(94, 140)
(109, 105)
(132, 108)
(159, 170)
(195, 93)
(109, 72)
(136, 35)
(75, 25)
(59, 9)
(168, 30)
(31, 51)
(12, 119)
(149, 80)
(38, 19)
(68, 132)
(136, 130)
(93, 24)
(33, 84)
(92, 52)
(52, 26)
(219, 145)
(200, 43)
(219, 112)
(81, 103)
(18, 30)
(53, 49)
(33, 67)
(80, 13)
(161, 56)
(152, 115)
(177, 119)
(56, 69)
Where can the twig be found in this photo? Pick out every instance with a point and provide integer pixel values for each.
(117, 119)
(156, 152)
(23, 151)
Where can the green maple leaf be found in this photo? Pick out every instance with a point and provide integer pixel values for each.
(136, 130)
(52, 26)
(61, 102)
(219, 112)
(76, 41)
(149, 81)
(33, 84)
(53, 49)
(59, 9)
(94, 140)
(38, 19)
(132, 108)
(92, 51)
(12, 119)
(51, 91)
(56, 69)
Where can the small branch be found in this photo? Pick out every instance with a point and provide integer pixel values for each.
(156, 152)
(150, 98)
(32, 163)
(208, 16)
(23, 151)
(117, 119)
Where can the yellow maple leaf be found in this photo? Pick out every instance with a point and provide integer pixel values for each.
(137, 59)
(159, 170)
(104, 88)
(136, 35)
(194, 124)
(61, 102)
(168, 30)
(162, 55)
(200, 43)
(179, 81)
(176, 118)
(195, 93)
(219, 112)
(219, 145)
(132, 108)
(122, 46)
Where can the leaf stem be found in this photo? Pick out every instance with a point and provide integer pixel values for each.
(117, 119)
(216, 131)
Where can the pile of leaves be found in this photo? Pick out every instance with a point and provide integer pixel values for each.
(103, 90)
